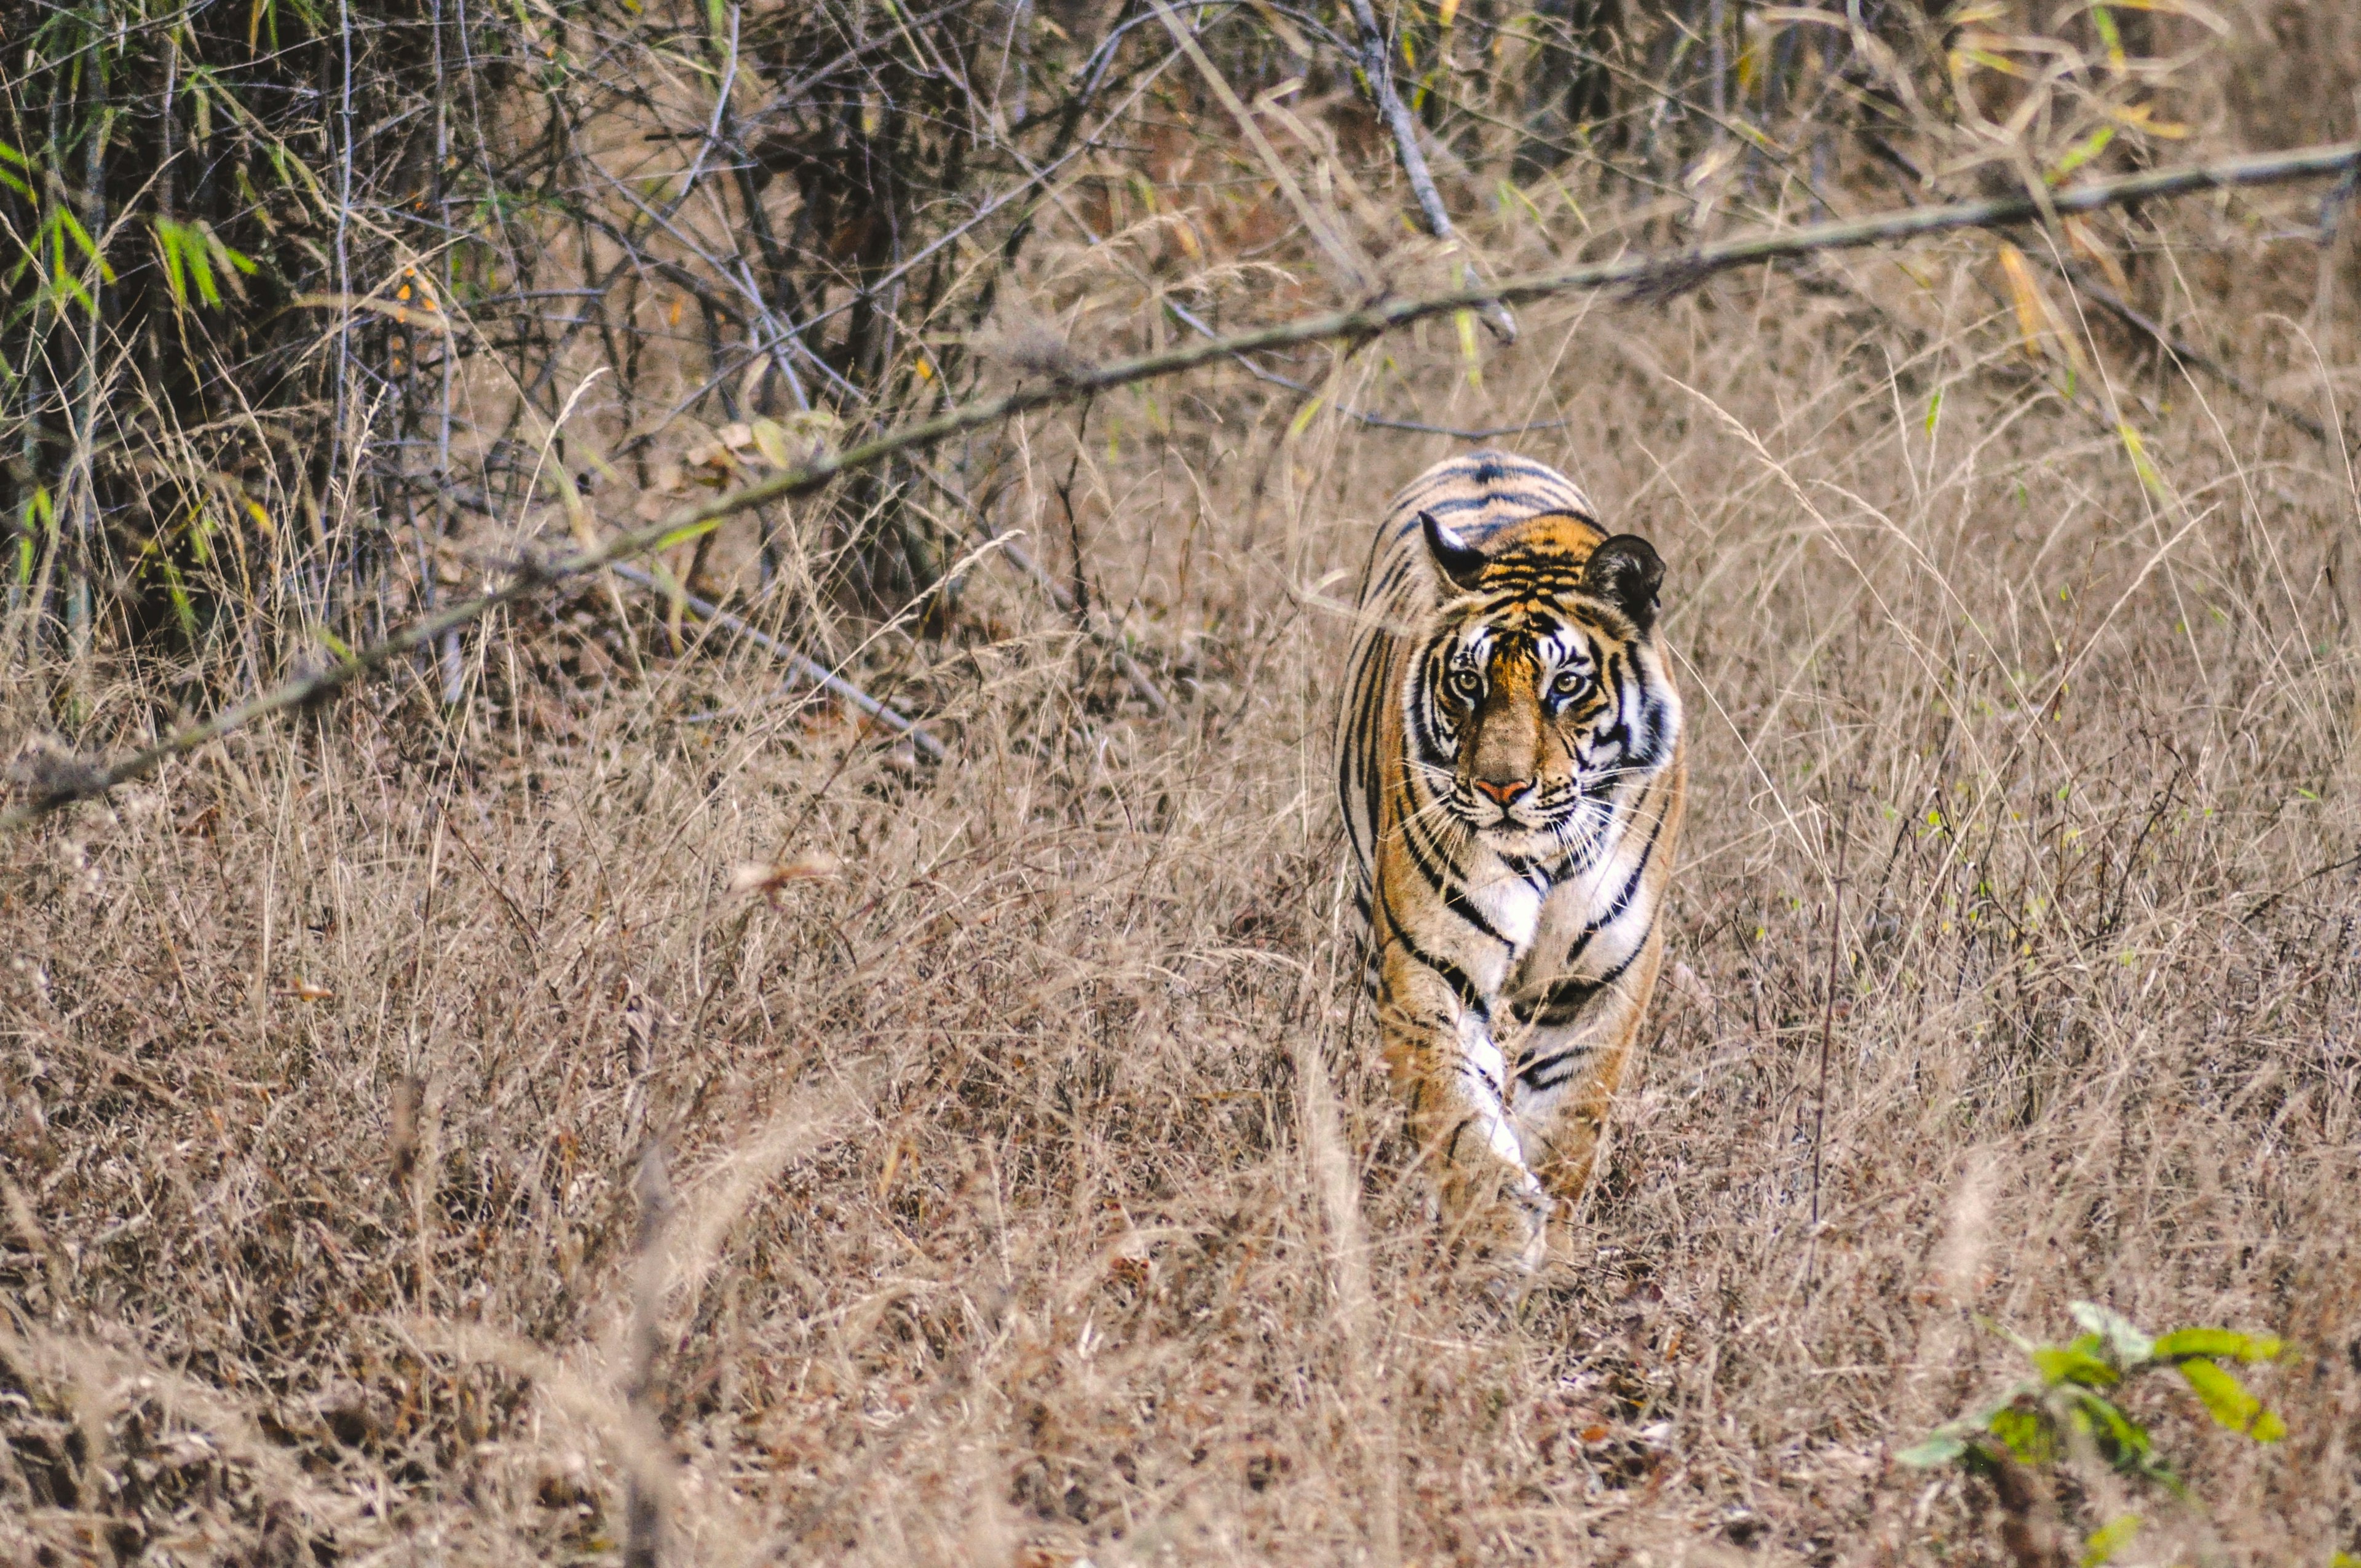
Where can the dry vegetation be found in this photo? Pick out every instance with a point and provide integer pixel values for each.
(412, 1128)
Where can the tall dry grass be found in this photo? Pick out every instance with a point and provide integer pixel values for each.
(1033, 1196)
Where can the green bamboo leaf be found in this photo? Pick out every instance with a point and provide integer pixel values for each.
(2078, 1364)
(2230, 1403)
(1941, 1446)
(683, 535)
(236, 260)
(2218, 1344)
(168, 248)
(2081, 153)
(2110, 36)
(68, 224)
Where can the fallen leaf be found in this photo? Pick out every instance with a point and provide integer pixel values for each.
(767, 878)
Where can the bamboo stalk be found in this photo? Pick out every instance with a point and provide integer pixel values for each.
(54, 785)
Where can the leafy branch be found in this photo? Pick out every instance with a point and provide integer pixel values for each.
(2071, 1405)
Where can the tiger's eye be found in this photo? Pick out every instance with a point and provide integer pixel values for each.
(1569, 681)
(1466, 683)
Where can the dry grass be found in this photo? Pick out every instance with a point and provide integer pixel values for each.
(1034, 1197)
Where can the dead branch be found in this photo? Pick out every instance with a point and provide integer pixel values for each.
(1196, 324)
(1649, 277)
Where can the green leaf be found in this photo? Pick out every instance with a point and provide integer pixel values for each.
(2120, 1440)
(1468, 354)
(2218, 1344)
(685, 532)
(2109, 1538)
(2029, 1433)
(2078, 1364)
(2129, 1344)
(1941, 1446)
(2142, 465)
(2104, 21)
(2081, 153)
(2228, 1401)
(68, 224)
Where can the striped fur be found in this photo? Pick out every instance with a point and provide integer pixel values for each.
(1512, 771)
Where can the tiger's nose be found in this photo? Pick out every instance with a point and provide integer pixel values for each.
(1505, 794)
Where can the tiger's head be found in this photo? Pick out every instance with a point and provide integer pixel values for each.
(1541, 693)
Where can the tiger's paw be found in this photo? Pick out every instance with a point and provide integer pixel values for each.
(1506, 1227)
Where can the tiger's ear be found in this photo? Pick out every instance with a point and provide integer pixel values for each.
(1626, 572)
(1460, 563)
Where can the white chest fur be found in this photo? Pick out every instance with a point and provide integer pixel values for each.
(1510, 904)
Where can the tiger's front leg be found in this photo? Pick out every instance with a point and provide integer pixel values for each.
(1440, 1052)
(1569, 1059)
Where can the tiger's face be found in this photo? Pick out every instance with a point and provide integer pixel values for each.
(1541, 693)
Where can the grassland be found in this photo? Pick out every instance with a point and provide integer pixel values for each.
(411, 1132)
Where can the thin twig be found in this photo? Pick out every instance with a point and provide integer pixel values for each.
(1071, 381)
(1354, 267)
(804, 666)
(1376, 65)
(1059, 595)
(1828, 1010)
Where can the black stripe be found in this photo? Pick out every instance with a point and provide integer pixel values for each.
(1537, 504)
(1445, 880)
(1490, 469)
(1565, 1001)
(1622, 903)
(1561, 1005)
(1451, 974)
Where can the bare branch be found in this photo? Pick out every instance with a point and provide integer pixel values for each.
(2186, 355)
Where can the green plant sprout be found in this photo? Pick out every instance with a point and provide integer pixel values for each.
(2070, 1407)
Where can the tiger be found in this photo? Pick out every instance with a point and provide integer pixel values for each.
(1512, 771)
